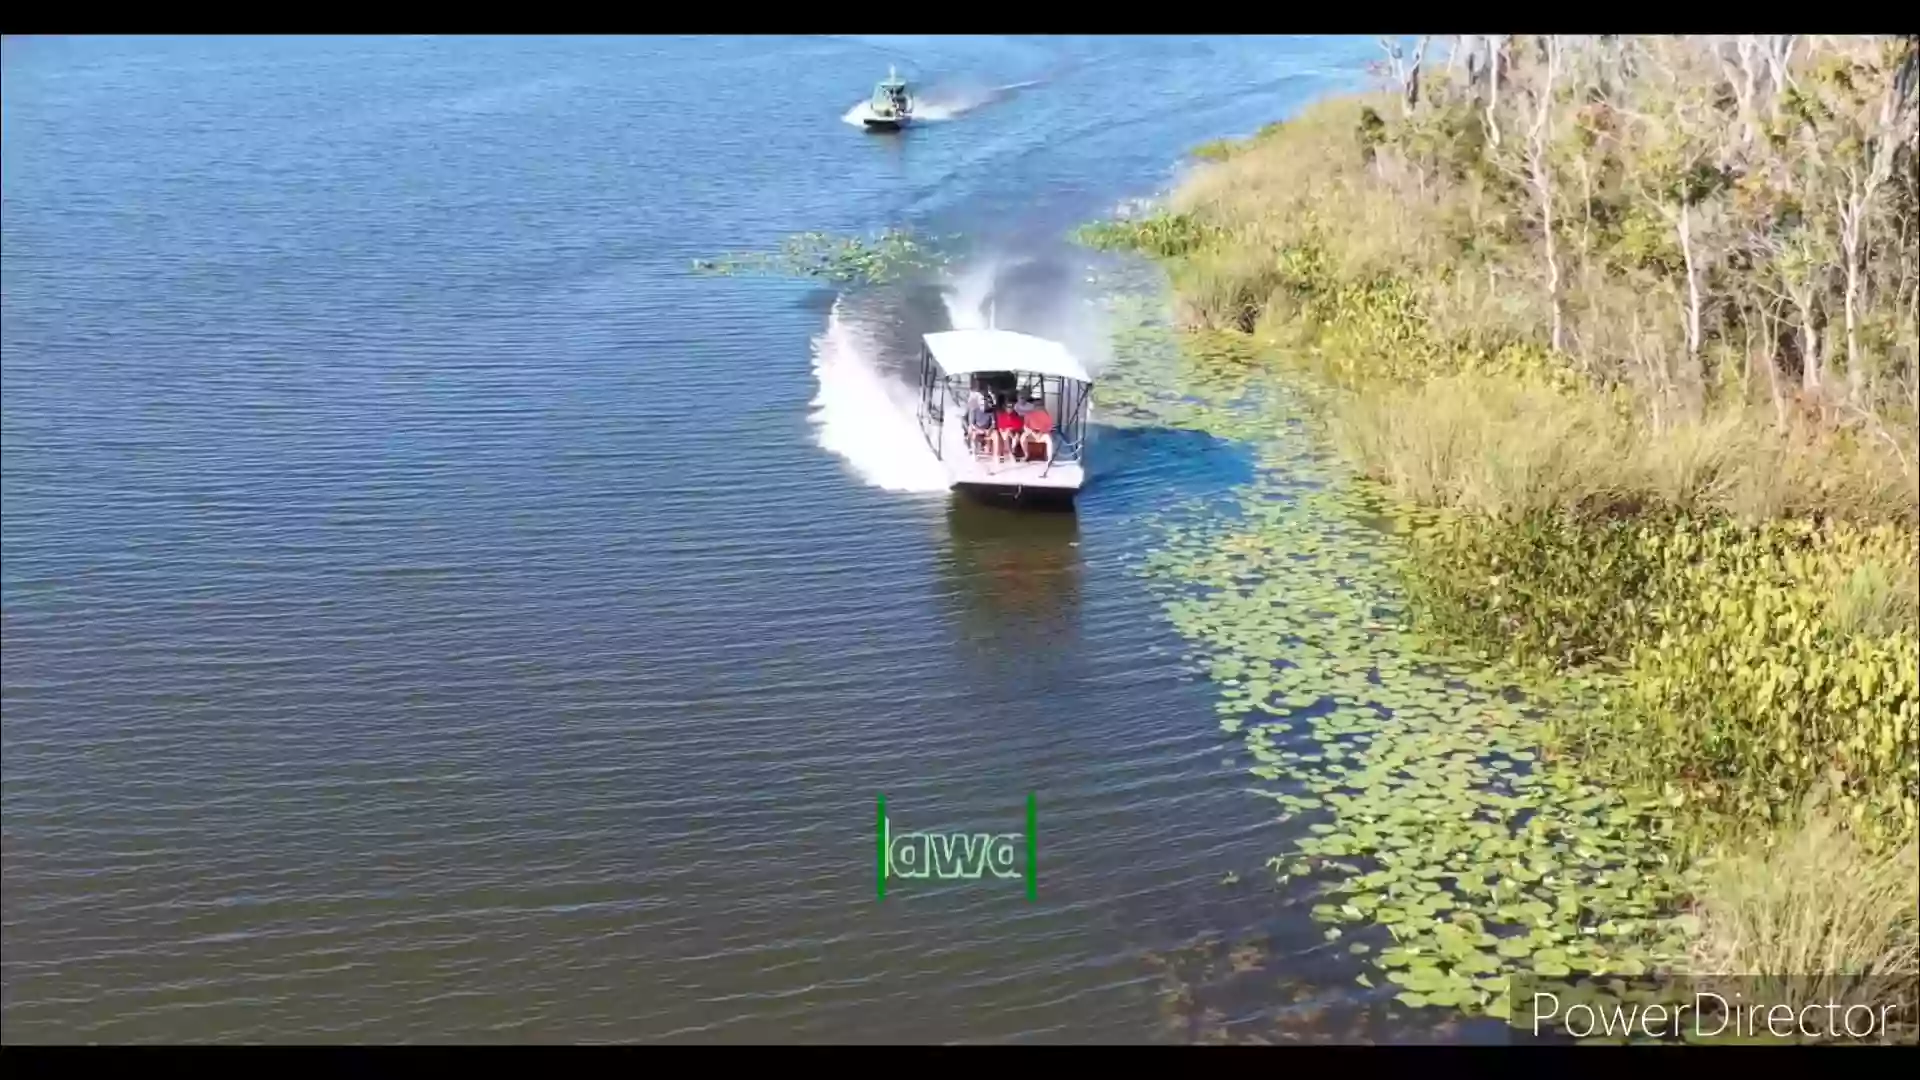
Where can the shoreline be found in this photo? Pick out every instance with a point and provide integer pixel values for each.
(1556, 577)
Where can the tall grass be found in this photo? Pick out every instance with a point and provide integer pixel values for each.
(1878, 598)
(1816, 919)
(1499, 446)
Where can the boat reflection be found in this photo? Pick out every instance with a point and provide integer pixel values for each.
(1016, 575)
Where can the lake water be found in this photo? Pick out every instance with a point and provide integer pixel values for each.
(431, 613)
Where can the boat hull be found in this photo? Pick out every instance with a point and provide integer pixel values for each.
(1016, 481)
(884, 123)
(1062, 498)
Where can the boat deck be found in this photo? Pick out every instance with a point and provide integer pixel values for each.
(985, 472)
(974, 470)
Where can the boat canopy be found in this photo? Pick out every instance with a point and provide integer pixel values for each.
(973, 352)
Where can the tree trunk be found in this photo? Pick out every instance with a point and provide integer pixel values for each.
(1685, 229)
(1810, 375)
(1410, 88)
(1494, 44)
(1744, 77)
(1656, 379)
(1779, 52)
(1770, 331)
(1540, 170)
(1850, 213)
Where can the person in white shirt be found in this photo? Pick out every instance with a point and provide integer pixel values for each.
(981, 436)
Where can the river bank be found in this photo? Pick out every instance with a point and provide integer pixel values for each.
(1634, 688)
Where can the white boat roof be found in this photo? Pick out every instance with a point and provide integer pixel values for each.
(969, 352)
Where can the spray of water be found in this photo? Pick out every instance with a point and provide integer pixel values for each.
(866, 415)
(1048, 294)
(968, 292)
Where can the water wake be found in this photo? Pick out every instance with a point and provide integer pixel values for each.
(944, 103)
(866, 415)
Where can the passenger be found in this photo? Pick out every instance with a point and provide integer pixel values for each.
(1039, 430)
(1009, 424)
(981, 437)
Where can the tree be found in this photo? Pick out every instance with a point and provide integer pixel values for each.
(1406, 73)
(1867, 130)
(1540, 179)
(1681, 165)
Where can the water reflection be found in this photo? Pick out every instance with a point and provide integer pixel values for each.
(1015, 576)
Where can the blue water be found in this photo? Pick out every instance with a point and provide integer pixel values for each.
(431, 613)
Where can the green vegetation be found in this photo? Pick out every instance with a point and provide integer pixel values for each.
(890, 256)
(1761, 664)
(1409, 776)
(1622, 333)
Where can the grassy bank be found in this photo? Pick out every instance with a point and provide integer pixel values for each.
(1633, 321)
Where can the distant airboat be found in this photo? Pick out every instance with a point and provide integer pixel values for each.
(891, 107)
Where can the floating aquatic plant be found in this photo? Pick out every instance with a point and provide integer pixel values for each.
(1413, 782)
(889, 256)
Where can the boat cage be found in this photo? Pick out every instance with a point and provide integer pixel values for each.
(892, 93)
(1064, 398)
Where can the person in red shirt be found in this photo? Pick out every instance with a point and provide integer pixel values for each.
(1007, 422)
(1039, 429)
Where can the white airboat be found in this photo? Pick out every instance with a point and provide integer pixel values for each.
(1005, 368)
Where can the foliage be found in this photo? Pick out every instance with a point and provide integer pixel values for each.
(1216, 150)
(1542, 588)
(1161, 234)
(1506, 440)
(1424, 828)
(1747, 693)
(1761, 664)
(1691, 518)
(1716, 224)
(1423, 793)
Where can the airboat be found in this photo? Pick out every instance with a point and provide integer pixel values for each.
(891, 107)
(1016, 453)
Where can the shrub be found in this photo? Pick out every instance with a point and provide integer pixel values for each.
(1761, 663)
(1163, 235)
(1756, 681)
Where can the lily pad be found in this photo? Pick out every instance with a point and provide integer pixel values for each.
(1422, 767)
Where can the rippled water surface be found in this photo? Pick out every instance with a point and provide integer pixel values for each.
(430, 613)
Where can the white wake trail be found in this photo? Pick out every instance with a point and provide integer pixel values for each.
(866, 416)
(943, 104)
